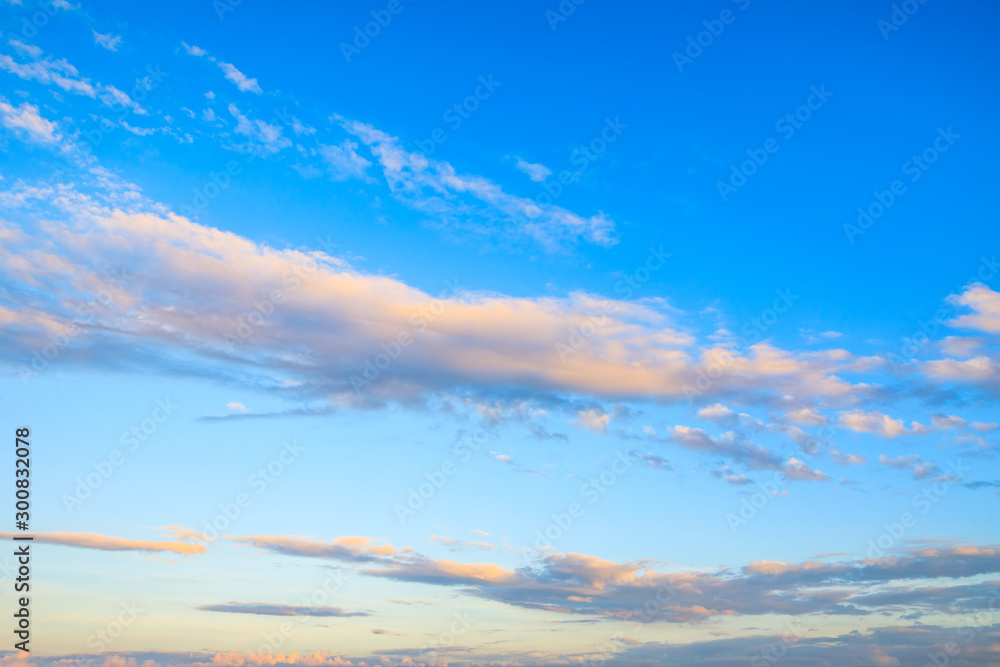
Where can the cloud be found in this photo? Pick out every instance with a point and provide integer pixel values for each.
(48, 71)
(913, 462)
(806, 417)
(193, 285)
(264, 609)
(106, 543)
(877, 423)
(720, 415)
(593, 420)
(109, 41)
(264, 138)
(193, 50)
(236, 406)
(474, 203)
(843, 459)
(985, 304)
(536, 172)
(29, 50)
(455, 544)
(795, 469)
(651, 460)
(242, 82)
(343, 162)
(580, 584)
(729, 445)
(26, 120)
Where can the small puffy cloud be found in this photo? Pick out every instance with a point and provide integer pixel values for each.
(109, 41)
(877, 423)
(962, 347)
(343, 162)
(536, 172)
(236, 406)
(243, 82)
(29, 50)
(651, 460)
(985, 304)
(795, 469)
(921, 469)
(266, 138)
(720, 415)
(26, 120)
(947, 421)
(807, 417)
(593, 420)
(194, 50)
(846, 459)
(981, 369)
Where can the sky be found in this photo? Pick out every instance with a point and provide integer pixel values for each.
(529, 333)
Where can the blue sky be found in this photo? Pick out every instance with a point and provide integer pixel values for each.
(531, 314)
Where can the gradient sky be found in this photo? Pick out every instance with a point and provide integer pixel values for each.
(517, 333)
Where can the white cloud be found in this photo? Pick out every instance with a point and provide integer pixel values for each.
(877, 423)
(29, 50)
(236, 406)
(474, 203)
(343, 161)
(264, 137)
(194, 50)
(242, 82)
(806, 417)
(593, 420)
(536, 172)
(109, 41)
(985, 304)
(26, 120)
